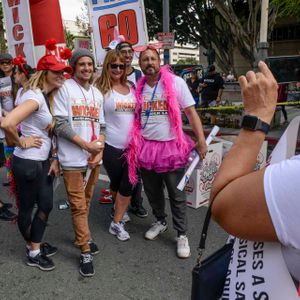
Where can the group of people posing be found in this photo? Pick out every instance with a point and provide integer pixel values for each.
(57, 125)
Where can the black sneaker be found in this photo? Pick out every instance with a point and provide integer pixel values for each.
(41, 261)
(6, 184)
(93, 247)
(86, 268)
(48, 250)
(6, 214)
(139, 211)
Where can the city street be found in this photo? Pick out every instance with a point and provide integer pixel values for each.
(137, 269)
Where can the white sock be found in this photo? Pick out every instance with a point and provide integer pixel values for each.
(33, 253)
(28, 247)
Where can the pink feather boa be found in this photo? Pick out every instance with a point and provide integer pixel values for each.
(168, 82)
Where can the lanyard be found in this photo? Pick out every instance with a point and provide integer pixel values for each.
(148, 111)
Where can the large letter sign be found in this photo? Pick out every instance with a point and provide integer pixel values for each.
(18, 29)
(127, 15)
(29, 23)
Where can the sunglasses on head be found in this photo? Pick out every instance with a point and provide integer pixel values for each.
(5, 62)
(115, 66)
(154, 47)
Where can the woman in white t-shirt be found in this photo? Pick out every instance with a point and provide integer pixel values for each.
(119, 105)
(31, 166)
(23, 72)
(260, 205)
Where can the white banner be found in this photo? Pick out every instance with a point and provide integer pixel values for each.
(18, 29)
(127, 15)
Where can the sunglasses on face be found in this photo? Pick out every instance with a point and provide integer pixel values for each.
(5, 62)
(115, 66)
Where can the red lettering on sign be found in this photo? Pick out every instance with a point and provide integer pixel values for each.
(15, 12)
(106, 28)
(13, 2)
(18, 33)
(19, 49)
(128, 26)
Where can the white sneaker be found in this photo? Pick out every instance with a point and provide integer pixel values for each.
(126, 217)
(183, 248)
(119, 231)
(155, 229)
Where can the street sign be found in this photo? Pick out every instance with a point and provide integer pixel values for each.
(167, 38)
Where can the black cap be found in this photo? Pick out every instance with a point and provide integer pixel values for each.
(123, 45)
(5, 56)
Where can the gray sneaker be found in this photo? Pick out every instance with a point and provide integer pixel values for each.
(119, 231)
(156, 228)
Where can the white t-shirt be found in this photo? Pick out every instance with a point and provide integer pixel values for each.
(36, 125)
(158, 125)
(119, 115)
(132, 78)
(18, 96)
(6, 100)
(282, 191)
(82, 107)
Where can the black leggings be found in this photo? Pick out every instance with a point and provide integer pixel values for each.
(33, 186)
(117, 169)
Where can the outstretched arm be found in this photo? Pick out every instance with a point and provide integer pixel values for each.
(239, 203)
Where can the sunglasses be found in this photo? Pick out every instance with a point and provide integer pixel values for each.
(115, 66)
(5, 62)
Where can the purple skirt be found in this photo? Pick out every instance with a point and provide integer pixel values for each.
(165, 156)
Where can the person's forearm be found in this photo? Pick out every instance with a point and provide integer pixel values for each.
(240, 160)
(12, 136)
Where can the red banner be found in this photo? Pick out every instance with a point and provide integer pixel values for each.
(46, 21)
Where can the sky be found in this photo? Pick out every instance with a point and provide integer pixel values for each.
(70, 8)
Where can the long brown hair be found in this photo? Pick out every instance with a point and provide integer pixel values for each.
(104, 82)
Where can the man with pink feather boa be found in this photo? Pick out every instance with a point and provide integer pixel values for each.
(158, 145)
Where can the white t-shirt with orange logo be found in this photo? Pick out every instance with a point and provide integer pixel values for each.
(157, 126)
(119, 115)
(82, 107)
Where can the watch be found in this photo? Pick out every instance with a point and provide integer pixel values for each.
(254, 123)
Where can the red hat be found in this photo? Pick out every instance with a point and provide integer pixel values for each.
(50, 62)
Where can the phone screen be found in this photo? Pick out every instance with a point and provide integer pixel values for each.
(285, 68)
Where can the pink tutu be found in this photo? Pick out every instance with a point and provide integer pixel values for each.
(163, 156)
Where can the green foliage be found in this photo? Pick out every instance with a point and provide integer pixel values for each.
(69, 37)
(188, 61)
(225, 25)
(288, 8)
(3, 42)
(82, 21)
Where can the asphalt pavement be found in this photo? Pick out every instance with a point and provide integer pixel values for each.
(132, 270)
(136, 269)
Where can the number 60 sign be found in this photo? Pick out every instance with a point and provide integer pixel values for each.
(127, 15)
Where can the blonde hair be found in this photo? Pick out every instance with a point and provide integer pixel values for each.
(104, 82)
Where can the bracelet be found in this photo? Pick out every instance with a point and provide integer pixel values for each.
(54, 156)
